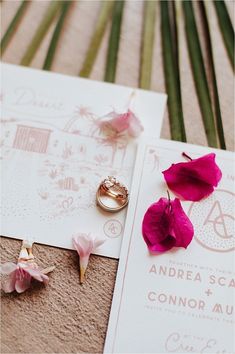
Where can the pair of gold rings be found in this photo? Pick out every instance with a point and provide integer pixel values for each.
(112, 195)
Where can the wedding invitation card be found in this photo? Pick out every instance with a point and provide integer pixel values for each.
(180, 301)
(54, 154)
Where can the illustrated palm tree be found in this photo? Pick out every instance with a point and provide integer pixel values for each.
(81, 112)
(116, 142)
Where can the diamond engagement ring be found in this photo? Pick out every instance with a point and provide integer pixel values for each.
(112, 195)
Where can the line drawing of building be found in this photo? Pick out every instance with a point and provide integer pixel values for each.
(31, 139)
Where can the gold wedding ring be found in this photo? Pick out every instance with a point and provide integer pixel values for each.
(111, 195)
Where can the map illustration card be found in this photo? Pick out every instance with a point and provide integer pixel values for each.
(54, 154)
(180, 301)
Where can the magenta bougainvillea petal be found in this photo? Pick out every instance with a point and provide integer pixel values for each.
(195, 179)
(165, 225)
(183, 228)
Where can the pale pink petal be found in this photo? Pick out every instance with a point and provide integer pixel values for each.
(8, 268)
(8, 285)
(45, 279)
(23, 282)
(83, 243)
(98, 242)
(78, 247)
(21, 275)
(135, 127)
(35, 273)
(121, 122)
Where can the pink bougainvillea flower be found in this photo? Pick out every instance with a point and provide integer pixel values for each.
(121, 122)
(165, 225)
(20, 276)
(85, 244)
(195, 179)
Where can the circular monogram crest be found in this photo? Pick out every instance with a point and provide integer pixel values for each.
(213, 220)
(112, 228)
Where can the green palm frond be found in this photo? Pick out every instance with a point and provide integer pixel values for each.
(147, 44)
(199, 73)
(114, 39)
(13, 25)
(104, 15)
(210, 57)
(171, 69)
(47, 20)
(56, 34)
(226, 28)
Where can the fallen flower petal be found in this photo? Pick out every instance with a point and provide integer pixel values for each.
(8, 285)
(121, 122)
(195, 179)
(183, 228)
(37, 274)
(23, 280)
(135, 127)
(20, 278)
(165, 225)
(8, 268)
(20, 275)
(85, 244)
